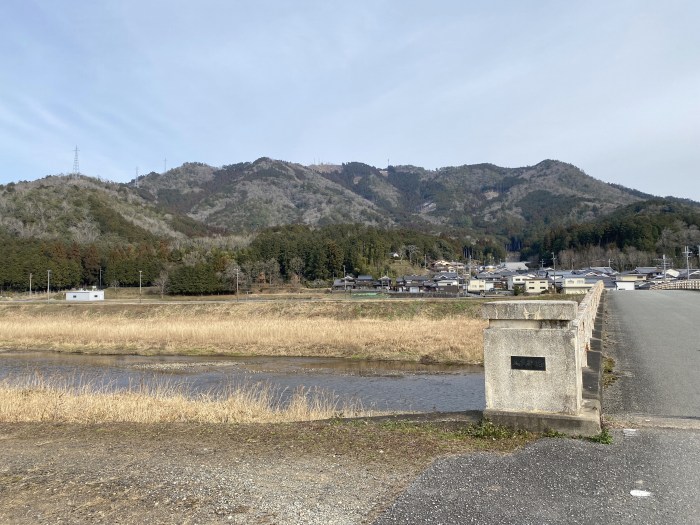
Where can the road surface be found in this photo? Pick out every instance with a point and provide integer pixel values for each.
(654, 338)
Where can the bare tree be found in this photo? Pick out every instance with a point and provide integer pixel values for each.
(296, 265)
(412, 249)
(568, 258)
(249, 269)
(161, 282)
(402, 252)
(85, 232)
(272, 269)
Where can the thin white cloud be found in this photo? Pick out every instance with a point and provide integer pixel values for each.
(610, 87)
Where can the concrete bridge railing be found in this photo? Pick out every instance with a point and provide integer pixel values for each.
(585, 320)
(534, 355)
(692, 284)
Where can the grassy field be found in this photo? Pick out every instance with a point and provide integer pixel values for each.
(446, 331)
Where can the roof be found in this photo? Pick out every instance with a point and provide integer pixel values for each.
(515, 266)
(646, 269)
(416, 278)
(446, 275)
(488, 276)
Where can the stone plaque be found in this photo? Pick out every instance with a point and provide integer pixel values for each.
(521, 362)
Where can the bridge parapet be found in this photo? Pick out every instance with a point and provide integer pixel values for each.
(585, 320)
(534, 353)
(692, 284)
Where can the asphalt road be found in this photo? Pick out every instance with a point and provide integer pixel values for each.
(650, 474)
(654, 338)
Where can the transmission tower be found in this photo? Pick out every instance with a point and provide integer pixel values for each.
(76, 164)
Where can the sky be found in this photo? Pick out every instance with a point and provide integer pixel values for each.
(141, 86)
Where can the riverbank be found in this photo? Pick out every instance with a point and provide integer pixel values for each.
(35, 398)
(441, 331)
(308, 473)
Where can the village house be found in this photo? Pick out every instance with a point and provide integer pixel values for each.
(517, 279)
(479, 286)
(412, 283)
(575, 285)
(383, 283)
(344, 284)
(448, 283)
(364, 282)
(535, 285)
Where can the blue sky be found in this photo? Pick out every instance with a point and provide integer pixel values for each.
(612, 87)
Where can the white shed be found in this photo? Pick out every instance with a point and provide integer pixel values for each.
(624, 285)
(85, 295)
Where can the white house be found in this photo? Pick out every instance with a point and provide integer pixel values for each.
(535, 286)
(574, 285)
(85, 295)
(479, 286)
(517, 280)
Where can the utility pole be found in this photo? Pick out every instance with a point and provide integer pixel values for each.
(30, 285)
(664, 259)
(687, 253)
(554, 265)
(48, 285)
(100, 277)
(140, 272)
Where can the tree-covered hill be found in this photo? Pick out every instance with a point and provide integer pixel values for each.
(271, 221)
(634, 235)
(251, 196)
(87, 210)
(478, 199)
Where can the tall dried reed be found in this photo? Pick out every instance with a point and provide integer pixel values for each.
(377, 331)
(34, 398)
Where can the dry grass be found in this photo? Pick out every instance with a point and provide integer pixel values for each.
(398, 330)
(37, 399)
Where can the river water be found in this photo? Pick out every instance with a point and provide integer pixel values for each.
(377, 385)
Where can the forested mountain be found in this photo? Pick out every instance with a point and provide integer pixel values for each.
(86, 210)
(253, 196)
(481, 198)
(635, 235)
(196, 227)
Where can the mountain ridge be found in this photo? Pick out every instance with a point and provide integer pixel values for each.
(447, 199)
(196, 199)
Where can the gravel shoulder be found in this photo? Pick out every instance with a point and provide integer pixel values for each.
(323, 472)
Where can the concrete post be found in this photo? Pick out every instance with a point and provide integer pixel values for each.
(533, 357)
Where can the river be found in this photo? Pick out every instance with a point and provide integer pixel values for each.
(377, 385)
